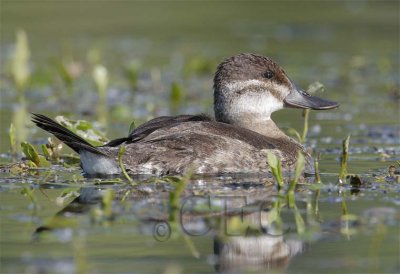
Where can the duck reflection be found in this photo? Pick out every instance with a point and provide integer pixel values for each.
(258, 250)
(238, 216)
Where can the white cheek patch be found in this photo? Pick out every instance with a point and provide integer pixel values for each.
(257, 97)
(258, 104)
(94, 164)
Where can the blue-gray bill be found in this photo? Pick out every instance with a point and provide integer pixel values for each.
(298, 98)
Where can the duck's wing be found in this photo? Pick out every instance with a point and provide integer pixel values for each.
(161, 122)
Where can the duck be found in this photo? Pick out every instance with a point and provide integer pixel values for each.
(248, 88)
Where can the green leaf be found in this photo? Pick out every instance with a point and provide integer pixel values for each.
(132, 127)
(301, 161)
(275, 165)
(43, 161)
(45, 151)
(30, 153)
(84, 129)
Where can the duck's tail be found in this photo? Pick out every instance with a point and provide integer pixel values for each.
(77, 143)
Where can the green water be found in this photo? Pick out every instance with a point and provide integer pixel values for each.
(351, 47)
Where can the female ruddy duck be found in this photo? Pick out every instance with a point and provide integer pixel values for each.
(247, 89)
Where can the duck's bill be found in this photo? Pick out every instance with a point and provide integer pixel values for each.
(300, 99)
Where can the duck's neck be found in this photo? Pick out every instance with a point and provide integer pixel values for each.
(266, 127)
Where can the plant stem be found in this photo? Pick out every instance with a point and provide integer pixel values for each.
(344, 158)
(316, 169)
(306, 113)
(121, 164)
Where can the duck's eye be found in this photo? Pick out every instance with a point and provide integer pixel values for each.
(269, 74)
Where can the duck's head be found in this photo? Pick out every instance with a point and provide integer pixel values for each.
(249, 87)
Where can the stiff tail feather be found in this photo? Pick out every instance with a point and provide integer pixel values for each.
(69, 138)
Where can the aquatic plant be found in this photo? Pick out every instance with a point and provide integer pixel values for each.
(52, 149)
(66, 76)
(20, 74)
(32, 155)
(343, 160)
(132, 73)
(176, 97)
(300, 164)
(174, 196)
(289, 196)
(313, 88)
(100, 77)
(276, 168)
(121, 164)
(103, 215)
(85, 129)
(20, 65)
(132, 127)
(180, 183)
(13, 140)
(316, 169)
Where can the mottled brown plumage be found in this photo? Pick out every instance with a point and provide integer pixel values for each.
(247, 89)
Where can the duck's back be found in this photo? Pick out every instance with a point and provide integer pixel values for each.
(173, 145)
